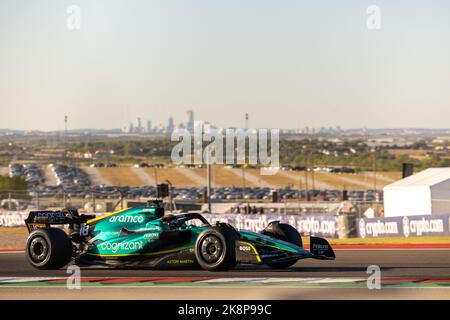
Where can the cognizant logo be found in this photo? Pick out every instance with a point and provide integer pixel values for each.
(122, 246)
(129, 219)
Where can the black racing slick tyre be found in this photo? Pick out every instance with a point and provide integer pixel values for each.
(48, 248)
(215, 249)
(285, 232)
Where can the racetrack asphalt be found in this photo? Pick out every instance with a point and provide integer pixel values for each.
(394, 264)
(426, 273)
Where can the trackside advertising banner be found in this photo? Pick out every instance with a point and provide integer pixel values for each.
(411, 226)
(16, 218)
(13, 218)
(324, 226)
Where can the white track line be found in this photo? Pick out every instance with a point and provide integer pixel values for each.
(144, 176)
(253, 179)
(197, 179)
(96, 177)
(318, 184)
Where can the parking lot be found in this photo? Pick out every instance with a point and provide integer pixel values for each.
(59, 185)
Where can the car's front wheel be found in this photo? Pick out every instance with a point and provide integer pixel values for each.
(215, 249)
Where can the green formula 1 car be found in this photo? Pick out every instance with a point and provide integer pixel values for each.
(144, 237)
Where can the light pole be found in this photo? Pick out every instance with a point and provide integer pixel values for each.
(245, 161)
(374, 169)
(313, 182)
(306, 180)
(171, 204)
(156, 176)
(300, 188)
(65, 139)
(208, 189)
(243, 176)
(209, 177)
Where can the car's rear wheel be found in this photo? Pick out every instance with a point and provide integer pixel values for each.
(215, 249)
(285, 232)
(48, 248)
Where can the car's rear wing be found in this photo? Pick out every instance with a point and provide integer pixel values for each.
(44, 219)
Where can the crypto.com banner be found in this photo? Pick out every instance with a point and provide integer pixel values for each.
(410, 226)
(324, 226)
(13, 218)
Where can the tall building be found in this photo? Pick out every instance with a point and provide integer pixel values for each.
(170, 126)
(138, 128)
(190, 120)
(208, 127)
(130, 127)
(149, 126)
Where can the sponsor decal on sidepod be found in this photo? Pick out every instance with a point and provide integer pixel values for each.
(128, 219)
(122, 246)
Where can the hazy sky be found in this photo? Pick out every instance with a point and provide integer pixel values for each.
(288, 63)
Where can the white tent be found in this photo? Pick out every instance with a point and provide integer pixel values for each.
(427, 192)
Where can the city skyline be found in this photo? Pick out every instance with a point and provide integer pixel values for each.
(160, 128)
(152, 127)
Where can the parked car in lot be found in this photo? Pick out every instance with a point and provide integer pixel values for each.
(97, 165)
(29, 171)
(343, 170)
(68, 176)
(141, 165)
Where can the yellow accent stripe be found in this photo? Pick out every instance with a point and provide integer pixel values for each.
(106, 216)
(258, 258)
(139, 254)
(269, 246)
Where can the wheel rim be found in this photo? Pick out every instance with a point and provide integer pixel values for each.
(38, 249)
(211, 249)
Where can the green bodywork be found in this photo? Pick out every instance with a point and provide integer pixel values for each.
(141, 233)
(142, 220)
(146, 237)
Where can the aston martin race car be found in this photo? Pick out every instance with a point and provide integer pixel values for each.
(144, 237)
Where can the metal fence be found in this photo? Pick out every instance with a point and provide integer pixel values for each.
(93, 202)
(101, 202)
(331, 208)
